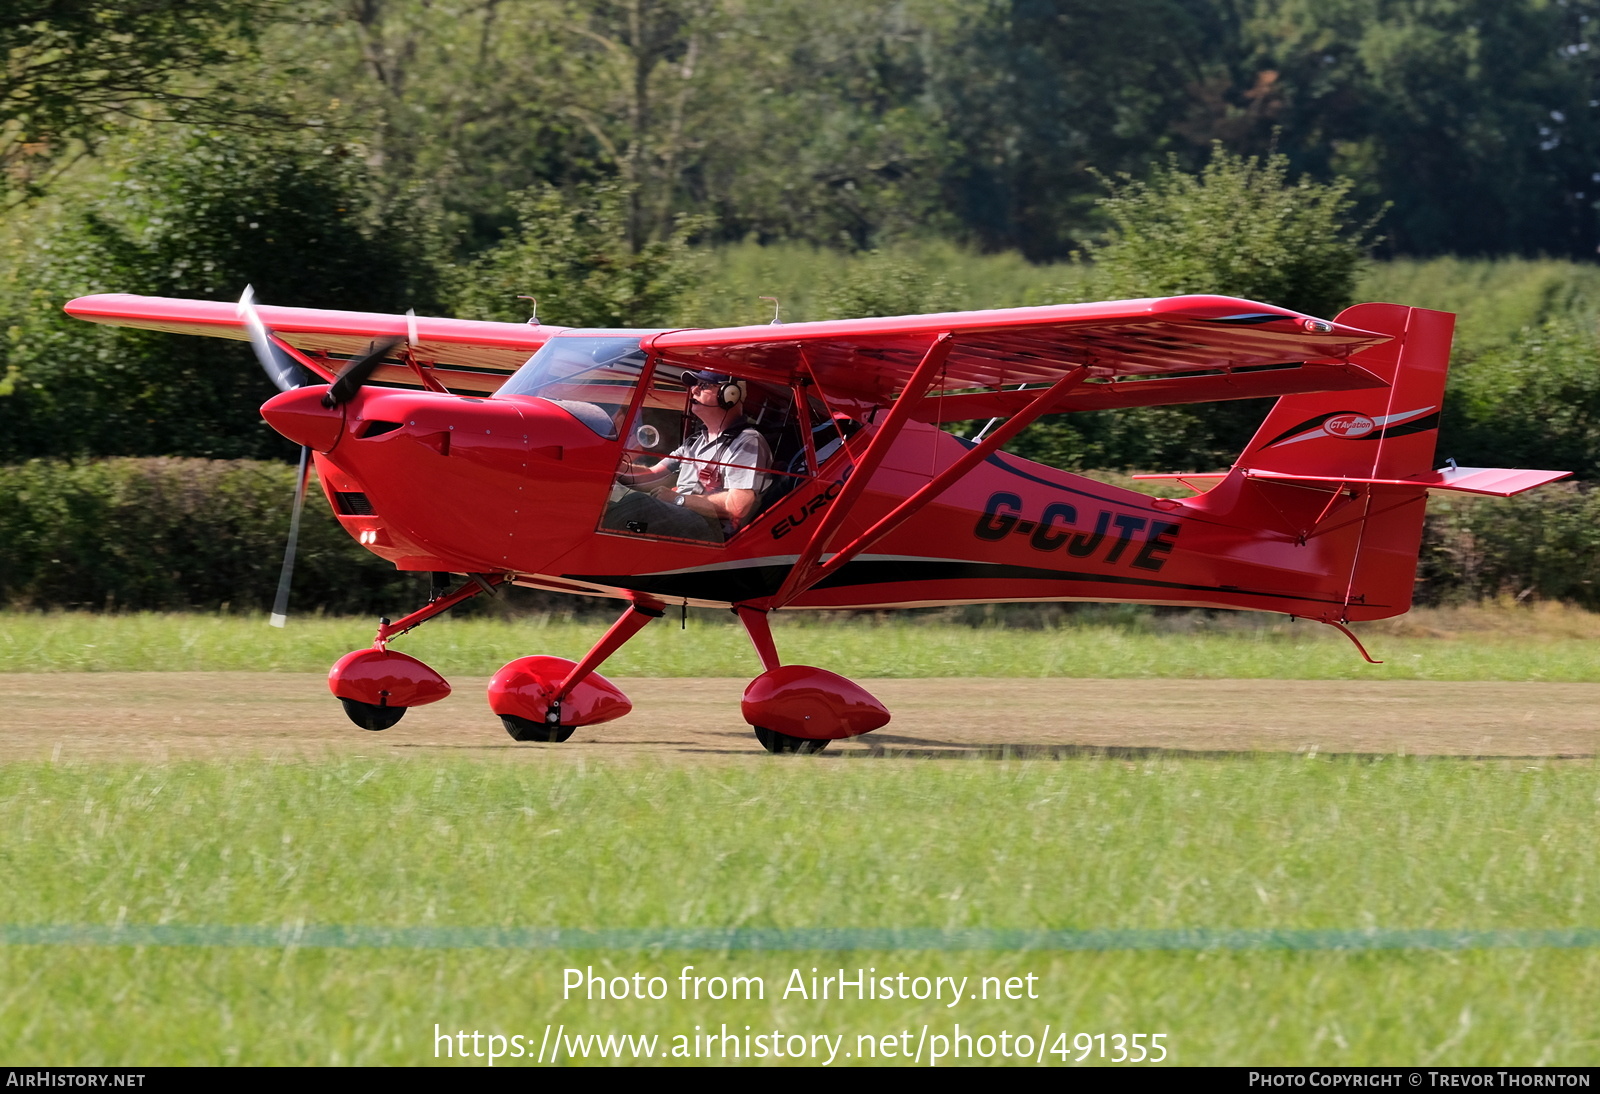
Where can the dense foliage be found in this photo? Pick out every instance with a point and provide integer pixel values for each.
(77, 69)
(202, 218)
(570, 255)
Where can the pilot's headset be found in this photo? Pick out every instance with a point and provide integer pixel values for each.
(730, 392)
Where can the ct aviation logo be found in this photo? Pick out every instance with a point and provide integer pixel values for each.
(1351, 425)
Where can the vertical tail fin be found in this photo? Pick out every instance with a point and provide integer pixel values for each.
(1374, 433)
(1370, 533)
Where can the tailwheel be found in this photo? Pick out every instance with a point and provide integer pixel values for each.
(525, 729)
(370, 716)
(782, 743)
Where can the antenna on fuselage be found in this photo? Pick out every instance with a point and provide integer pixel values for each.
(533, 320)
(777, 320)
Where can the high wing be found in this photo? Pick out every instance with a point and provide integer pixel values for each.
(1020, 363)
(1137, 353)
(458, 354)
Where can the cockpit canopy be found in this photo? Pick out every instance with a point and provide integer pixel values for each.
(596, 375)
(592, 374)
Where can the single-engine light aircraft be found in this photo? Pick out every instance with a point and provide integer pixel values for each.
(802, 465)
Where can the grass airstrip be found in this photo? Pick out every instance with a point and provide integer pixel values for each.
(1250, 908)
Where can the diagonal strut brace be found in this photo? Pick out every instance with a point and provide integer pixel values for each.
(946, 478)
(801, 576)
(925, 494)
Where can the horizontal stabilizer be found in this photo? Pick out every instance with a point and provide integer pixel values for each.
(1498, 482)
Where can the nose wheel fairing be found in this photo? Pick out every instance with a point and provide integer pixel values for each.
(377, 686)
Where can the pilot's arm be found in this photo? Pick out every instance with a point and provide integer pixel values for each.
(634, 473)
(737, 506)
(738, 501)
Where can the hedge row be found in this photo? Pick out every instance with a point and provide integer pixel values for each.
(166, 534)
(170, 534)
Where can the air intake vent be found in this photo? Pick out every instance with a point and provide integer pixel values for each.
(353, 504)
(378, 429)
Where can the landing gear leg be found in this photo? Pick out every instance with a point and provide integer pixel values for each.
(546, 698)
(797, 708)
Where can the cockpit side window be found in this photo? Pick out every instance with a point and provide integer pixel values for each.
(693, 469)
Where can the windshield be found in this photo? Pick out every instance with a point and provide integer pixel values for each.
(591, 374)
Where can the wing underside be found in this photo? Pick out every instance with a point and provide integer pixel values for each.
(1136, 353)
(1132, 352)
(461, 355)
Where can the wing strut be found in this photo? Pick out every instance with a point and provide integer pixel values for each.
(936, 486)
(801, 577)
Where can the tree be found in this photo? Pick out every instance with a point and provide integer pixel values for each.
(573, 253)
(1040, 95)
(1238, 228)
(76, 68)
(197, 216)
(1476, 119)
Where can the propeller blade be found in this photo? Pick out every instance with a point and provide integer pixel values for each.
(280, 368)
(358, 371)
(280, 603)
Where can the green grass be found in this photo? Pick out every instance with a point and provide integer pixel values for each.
(1111, 643)
(1251, 842)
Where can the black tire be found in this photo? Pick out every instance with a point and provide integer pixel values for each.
(372, 717)
(783, 744)
(521, 729)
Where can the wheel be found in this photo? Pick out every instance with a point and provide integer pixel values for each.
(521, 729)
(773, 741)
(372, 717)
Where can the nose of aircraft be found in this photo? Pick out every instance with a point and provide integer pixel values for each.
(299, 415)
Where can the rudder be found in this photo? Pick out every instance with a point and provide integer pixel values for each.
(1375, 433)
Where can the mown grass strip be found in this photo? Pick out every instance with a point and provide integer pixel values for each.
(757, 939)
(1557, 646)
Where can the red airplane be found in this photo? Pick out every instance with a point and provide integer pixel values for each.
(802, 466)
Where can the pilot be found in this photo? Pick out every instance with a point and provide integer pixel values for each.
(720, 467)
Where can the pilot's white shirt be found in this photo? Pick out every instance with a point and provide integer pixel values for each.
(729, 463)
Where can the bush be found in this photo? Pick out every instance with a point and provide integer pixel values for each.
(197, 218)
(1239, 228)
(162, 534)
(173, 534)
(1543, 545)
(880, 284)
(1531, 401)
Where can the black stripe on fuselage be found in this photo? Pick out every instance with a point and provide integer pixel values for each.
(751, 583)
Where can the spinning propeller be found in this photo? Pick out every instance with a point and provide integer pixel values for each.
(287, 374)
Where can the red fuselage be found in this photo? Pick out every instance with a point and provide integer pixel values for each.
(516, 485)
